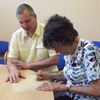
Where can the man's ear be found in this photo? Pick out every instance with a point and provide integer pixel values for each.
(35, 16)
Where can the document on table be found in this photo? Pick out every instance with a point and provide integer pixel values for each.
(26, 84)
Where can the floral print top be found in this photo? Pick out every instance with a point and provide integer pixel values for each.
(83, 67)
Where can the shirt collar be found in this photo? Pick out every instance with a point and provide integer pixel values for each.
(37, 31)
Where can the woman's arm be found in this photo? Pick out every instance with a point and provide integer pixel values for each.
(58, 77)
(93, 90)
(40, 75)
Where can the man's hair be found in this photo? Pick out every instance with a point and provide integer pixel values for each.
(21, 8)
(58, 29)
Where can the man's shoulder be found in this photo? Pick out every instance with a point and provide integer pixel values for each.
(40, 24)
(19, 32)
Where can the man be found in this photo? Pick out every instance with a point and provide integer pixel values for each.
(26, 45)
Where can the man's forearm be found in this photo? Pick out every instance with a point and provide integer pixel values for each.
(45, 63)
(11, 66)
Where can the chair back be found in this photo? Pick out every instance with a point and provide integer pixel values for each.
(61, 63)
(97, 43)
(3, 50)
(3, 47)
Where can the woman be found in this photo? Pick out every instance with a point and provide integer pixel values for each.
(82, 58)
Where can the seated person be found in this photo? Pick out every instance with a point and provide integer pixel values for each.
(82, 58)
(26, 45)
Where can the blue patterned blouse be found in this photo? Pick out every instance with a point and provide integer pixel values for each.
(83, 67)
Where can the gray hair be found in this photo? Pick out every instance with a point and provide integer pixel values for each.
(21, 8)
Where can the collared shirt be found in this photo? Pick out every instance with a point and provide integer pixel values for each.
(83, 67)
(30, 49)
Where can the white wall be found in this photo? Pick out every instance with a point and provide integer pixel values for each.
(45, 8)
(8, 21)
(84, 14)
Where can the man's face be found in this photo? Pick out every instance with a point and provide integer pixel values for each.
(27, 22)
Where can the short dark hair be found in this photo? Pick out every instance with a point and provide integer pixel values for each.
(58, 29)
(21, 8)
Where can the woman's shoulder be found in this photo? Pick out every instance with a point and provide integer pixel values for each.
(87, 45)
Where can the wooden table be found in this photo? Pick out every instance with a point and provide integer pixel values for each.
(6, 91)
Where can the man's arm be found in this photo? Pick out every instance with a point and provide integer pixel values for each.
(54, 60)
(14, 73)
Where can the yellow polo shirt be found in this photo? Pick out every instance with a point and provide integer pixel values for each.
(30, 49)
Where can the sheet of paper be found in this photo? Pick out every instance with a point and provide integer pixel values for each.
(27, 84)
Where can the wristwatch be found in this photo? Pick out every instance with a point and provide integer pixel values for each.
(67, 87)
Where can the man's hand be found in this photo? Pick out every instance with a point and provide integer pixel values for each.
(13, 76)
(20, 63)
(40, 75)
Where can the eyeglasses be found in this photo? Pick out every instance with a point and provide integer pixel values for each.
(56, 46)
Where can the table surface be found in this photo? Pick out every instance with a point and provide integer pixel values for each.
(6, 90)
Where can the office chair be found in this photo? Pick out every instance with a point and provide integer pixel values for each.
(97, 43)
(61, 63)
(3, 50)
(60, 66)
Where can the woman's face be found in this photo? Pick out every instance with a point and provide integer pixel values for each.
(63, 49)
(66, 50)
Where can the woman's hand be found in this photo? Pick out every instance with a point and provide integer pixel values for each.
(40, 75)
(50, 86)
